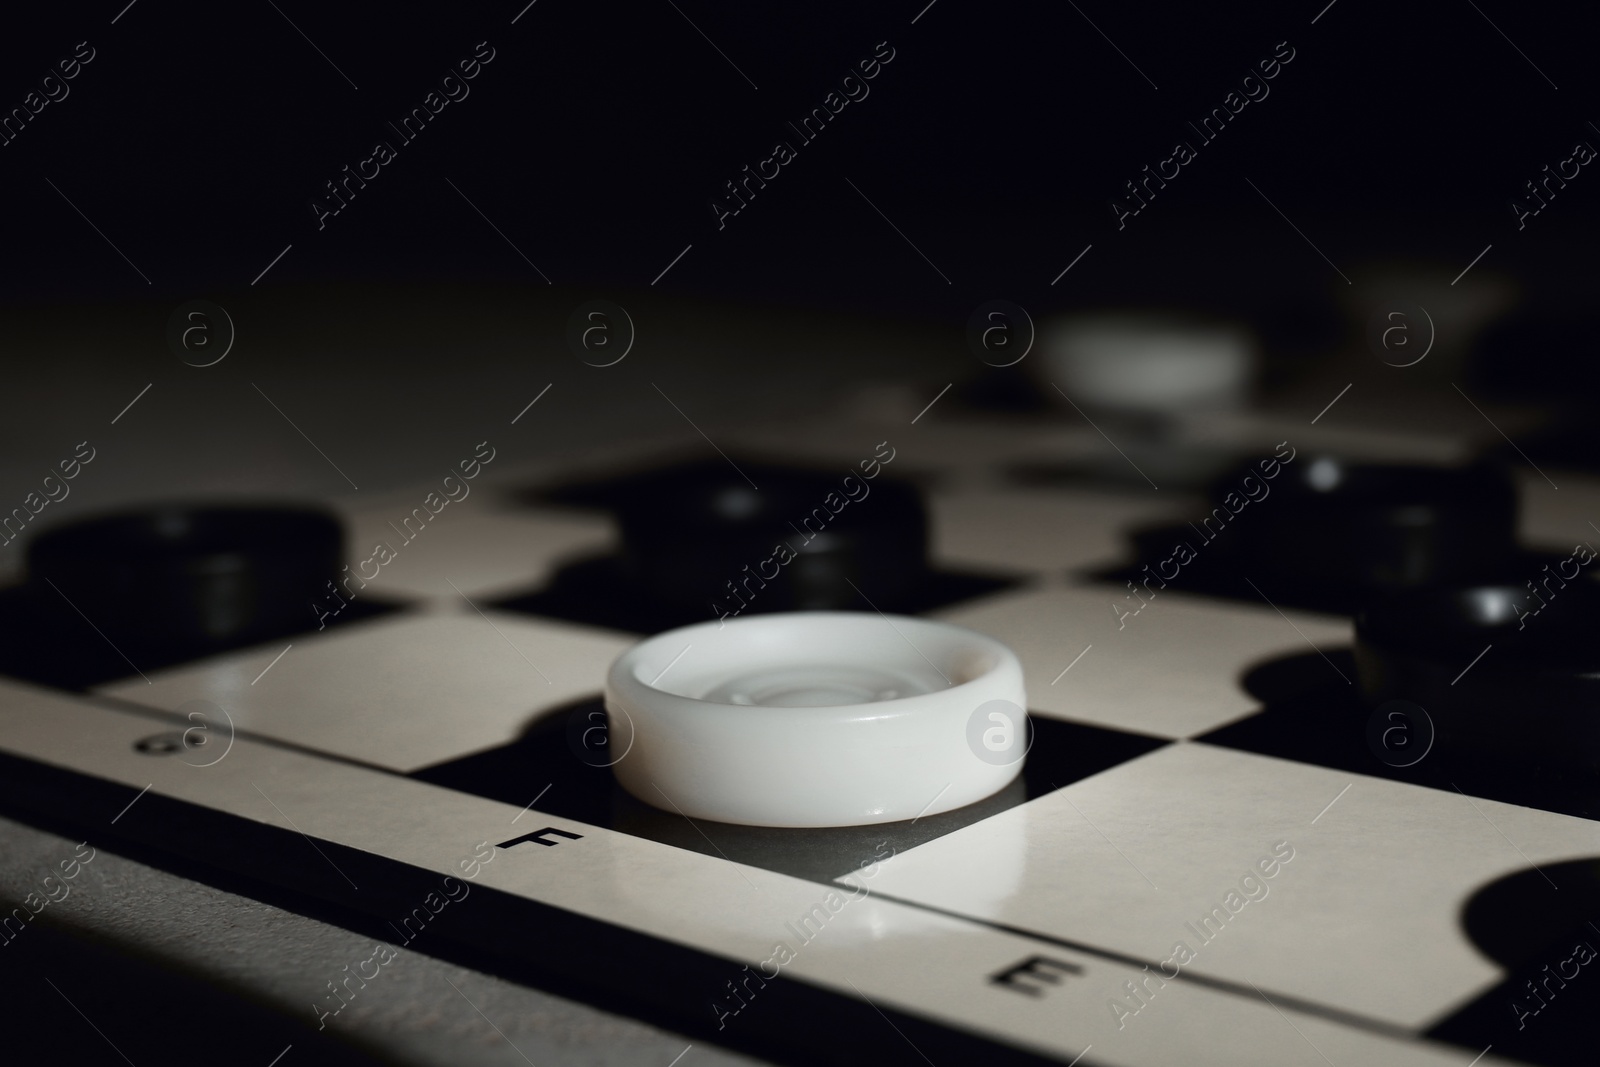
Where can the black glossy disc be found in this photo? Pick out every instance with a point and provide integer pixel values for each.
(1378, 525)
(1325, 533)
(171, 583)
(785, 539)
(1499, 667)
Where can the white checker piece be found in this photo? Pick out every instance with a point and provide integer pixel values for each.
(402, 692)
(1173, 670)
(1125, 859)
(889, 953)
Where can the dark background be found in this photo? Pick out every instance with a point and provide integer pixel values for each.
(594, 140)
(598, 135)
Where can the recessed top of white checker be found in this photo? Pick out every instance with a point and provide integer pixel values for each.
(402, 692)
(1363, 915)
(1172, 670)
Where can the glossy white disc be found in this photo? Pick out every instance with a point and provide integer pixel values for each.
(816, 719)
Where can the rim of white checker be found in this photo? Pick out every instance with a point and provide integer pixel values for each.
(823, 718)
